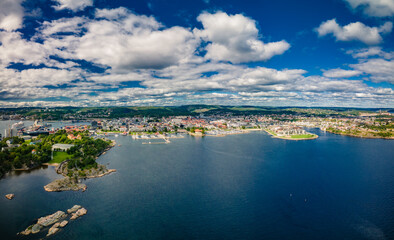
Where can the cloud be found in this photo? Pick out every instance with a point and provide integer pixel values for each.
(324, 85)
(356, 31)
(144, 62)
(374, 8)
(116, 13)
(380, 70)
(371, 51)
(73, 5)
(11, 14)
(235, 38)
(15, 49)
(37, 77)
(260, 77)
(61, 26)
(122, 40)
(341, 73)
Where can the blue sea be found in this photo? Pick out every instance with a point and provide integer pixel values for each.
(248, 186)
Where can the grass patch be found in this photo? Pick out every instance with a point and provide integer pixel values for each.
(303, 136)
(59, 157)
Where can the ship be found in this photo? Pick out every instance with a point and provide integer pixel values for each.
(36, 132)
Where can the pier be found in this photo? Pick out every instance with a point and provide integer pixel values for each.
(166, 141)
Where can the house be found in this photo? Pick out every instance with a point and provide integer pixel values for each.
(61, 147)
(72, 137)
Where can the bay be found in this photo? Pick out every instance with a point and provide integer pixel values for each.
(248, 186)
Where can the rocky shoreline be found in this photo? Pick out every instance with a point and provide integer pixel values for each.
(73, 177)
(73, 182)
(64, 184)
(57, 220)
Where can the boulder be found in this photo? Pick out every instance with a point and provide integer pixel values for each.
(74, 209)
(27, 230)
(10, 196)
(54, 220)
(82, 211)
(79, 213)
(36, 228)
(63, 223)
(51, 219)
(52, 231)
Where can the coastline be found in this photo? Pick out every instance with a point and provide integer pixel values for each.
(73, 183)
(243, 131)
(357, 136)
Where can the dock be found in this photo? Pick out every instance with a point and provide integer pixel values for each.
(166, 141)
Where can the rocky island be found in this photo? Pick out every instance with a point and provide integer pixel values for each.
(10, 196)
(57, 220)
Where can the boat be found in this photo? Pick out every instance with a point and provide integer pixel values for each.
(36, 133)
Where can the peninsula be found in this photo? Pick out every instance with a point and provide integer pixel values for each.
(80, 163)
(73, 151)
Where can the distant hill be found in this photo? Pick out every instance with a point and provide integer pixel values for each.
(77, 113)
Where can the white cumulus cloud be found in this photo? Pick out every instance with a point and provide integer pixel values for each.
(73, 5)
(354, 31)
(235, 38)
(341, 73)
(371, 51)
(375, 8)
(381, 70)
(11, 14)
(135, 42)
(14, 48)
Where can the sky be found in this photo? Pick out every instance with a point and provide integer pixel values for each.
(326, 53)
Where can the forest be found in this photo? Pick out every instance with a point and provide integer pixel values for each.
(23, 154)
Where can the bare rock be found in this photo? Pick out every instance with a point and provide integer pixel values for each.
(27, 231)
(79, 213)
(52, 231)
(64, 184)
(10, 196)
(51, 219)
(63, 223)
(36, 228)
(74, 209)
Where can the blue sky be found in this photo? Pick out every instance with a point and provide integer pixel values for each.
(330, 53)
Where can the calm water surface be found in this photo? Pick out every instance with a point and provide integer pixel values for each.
(247, 186)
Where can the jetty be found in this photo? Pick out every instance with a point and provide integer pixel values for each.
(166, 141)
